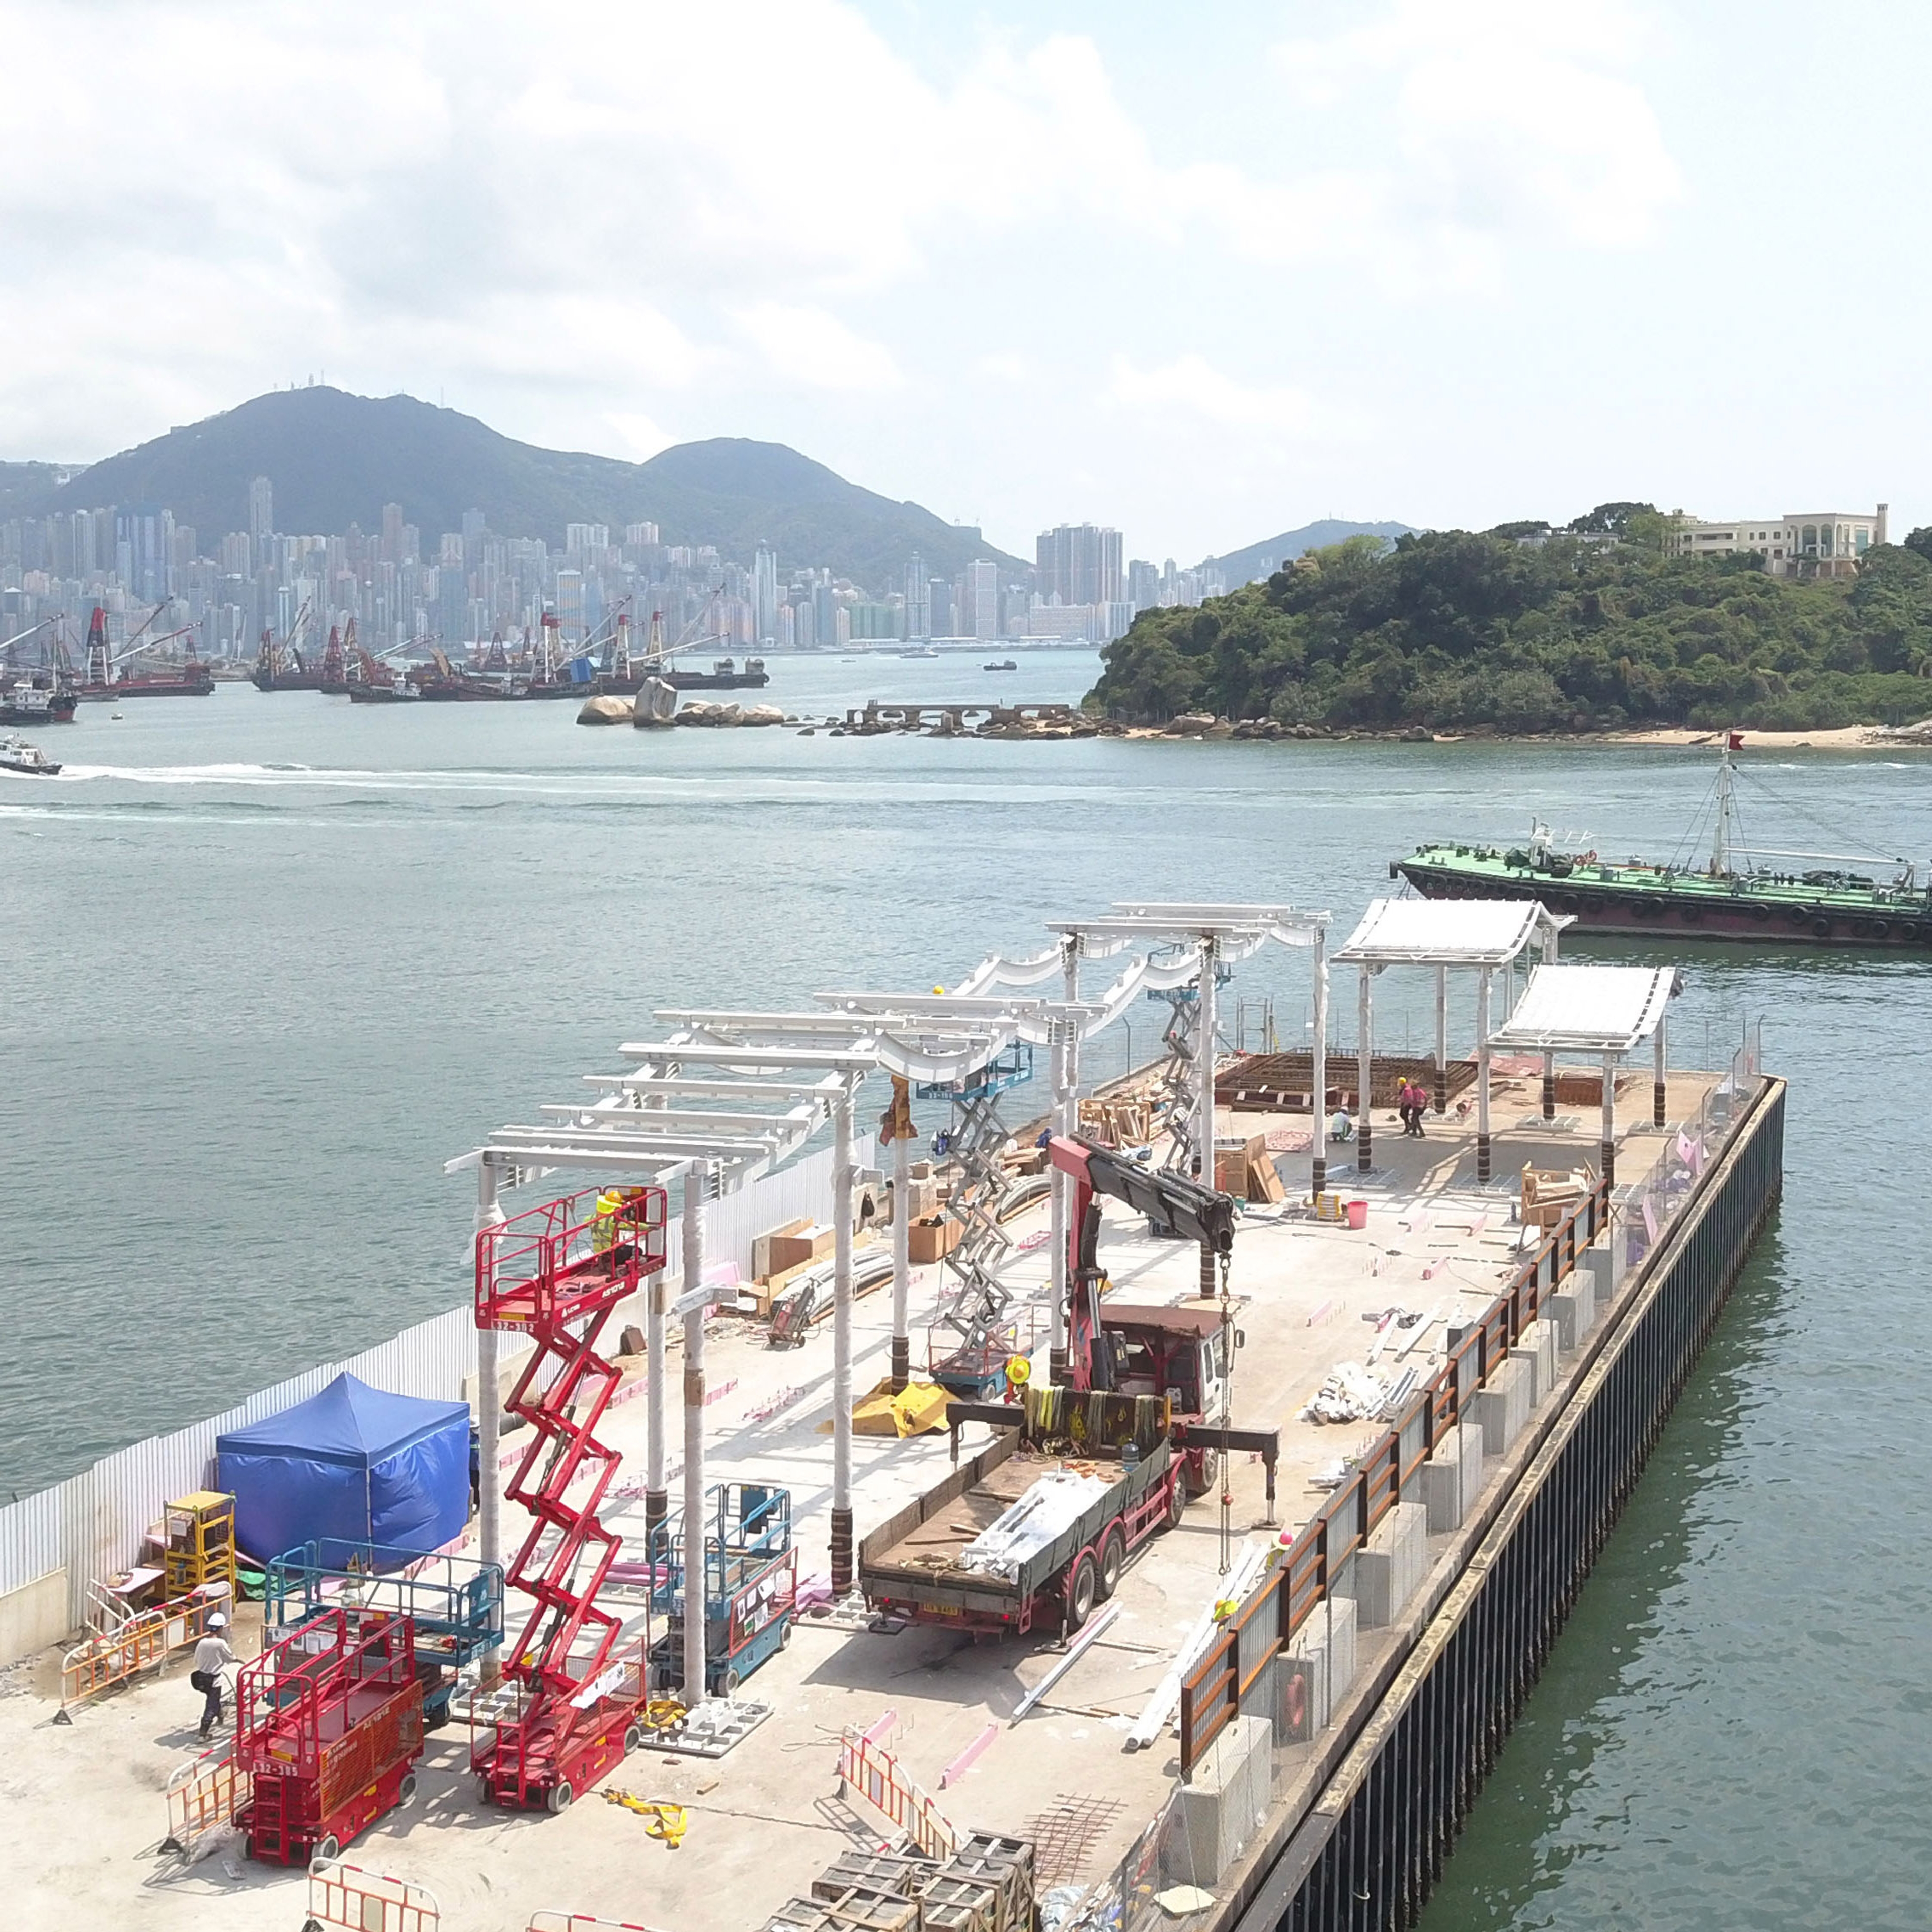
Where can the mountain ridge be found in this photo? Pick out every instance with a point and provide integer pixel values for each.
(334, 458)
(1259, 560)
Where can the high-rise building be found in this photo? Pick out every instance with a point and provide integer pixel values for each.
(939, 608)
(824, 611)
(1143, 584)
(570, 605)
(474, 526)
(261, 510)
(982, 599)
(918, 599)
(1079, 563)
(764, 594)
(641, 533)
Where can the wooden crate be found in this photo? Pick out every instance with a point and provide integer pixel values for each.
(1005, 1862)
(873, 1871)
(954, 1904)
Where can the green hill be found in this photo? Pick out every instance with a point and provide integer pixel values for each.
(335, 459)
(1450, 629)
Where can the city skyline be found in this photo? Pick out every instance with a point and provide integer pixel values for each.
(471, 585)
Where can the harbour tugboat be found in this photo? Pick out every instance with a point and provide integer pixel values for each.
(29, 760)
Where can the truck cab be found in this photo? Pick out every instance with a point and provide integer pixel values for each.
(1178, 1352)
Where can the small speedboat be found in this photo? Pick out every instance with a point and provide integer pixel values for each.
(29, 760)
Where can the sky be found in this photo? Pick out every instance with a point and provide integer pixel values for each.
(1204, 273)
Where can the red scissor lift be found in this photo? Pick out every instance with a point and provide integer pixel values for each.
(329, 1723)
(555, 1273)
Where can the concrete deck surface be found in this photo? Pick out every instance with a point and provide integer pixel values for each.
(84, 1803)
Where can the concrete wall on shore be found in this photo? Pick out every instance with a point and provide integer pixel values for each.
(34, 1616)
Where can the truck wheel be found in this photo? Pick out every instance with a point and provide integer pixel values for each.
(1083, 1585)
(729, 1683)
(327, 1850)
(1210, 1474)
(407, 1789)
(634, 1738)
(1113, 1560)
(1177, 1501)
(560, 1795)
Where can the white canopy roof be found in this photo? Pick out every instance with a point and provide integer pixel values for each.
(1599, 1009)
(1447, 932)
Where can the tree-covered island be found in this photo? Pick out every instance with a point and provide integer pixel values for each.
(1463, 631)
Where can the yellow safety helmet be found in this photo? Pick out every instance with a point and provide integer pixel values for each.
(1019, 1371)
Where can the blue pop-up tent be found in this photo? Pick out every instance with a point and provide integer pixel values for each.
(353, 1462)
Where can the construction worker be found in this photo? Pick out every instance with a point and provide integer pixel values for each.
(212, 1656)
(604, 1234)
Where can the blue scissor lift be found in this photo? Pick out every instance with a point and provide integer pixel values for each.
(455, 1603)
(750, 1585)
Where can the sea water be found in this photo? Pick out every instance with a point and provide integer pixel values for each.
(266, 961)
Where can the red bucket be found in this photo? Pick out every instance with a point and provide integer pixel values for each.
(1358, 1213)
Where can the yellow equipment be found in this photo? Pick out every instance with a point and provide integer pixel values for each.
(662, 1819)
(199, 1531)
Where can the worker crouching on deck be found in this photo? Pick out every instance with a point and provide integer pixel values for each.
(212, 1656)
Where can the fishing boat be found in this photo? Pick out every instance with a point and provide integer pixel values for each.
(1002, 663)
(1739, 893)
(28, 760)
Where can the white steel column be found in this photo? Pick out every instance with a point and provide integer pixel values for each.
(1442, 1039)
(1657, 1099)
(1610, 1119)
(1204, 1061)
(841, 1346)
(657, 1502)
(695, 1189)
(1483, 1074)
(489, 1412)
(1318, 1095)
(1365, 1056)
(901, 1261)
(1066, 1121)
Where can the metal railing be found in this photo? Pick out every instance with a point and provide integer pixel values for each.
(355, 1901)
(143, 1643)
(201, 1796)
(872, 1771)
(1304, 1574)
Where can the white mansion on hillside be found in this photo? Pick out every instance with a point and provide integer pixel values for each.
(1812, 543)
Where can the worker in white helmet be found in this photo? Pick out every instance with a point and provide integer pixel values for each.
(212, 1656)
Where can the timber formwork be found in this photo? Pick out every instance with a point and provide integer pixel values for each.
(1366, 1856)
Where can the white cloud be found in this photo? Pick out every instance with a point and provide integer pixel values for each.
(548, 215)
(1190, 386)
(812, 346)
(1506, 117)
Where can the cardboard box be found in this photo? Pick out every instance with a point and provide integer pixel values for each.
(931, 1240)
(761, 1245)
(812, 1242)
(1232, 1160)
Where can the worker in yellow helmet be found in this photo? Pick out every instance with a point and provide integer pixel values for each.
(604, 1233)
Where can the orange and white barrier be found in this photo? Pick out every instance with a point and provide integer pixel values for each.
(203, 1795)
(346, 1898)
(546, 1921)
(99, 1663)
(872, 1771)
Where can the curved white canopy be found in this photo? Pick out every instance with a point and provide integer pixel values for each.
(1448, 932)
(1597, 1010)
